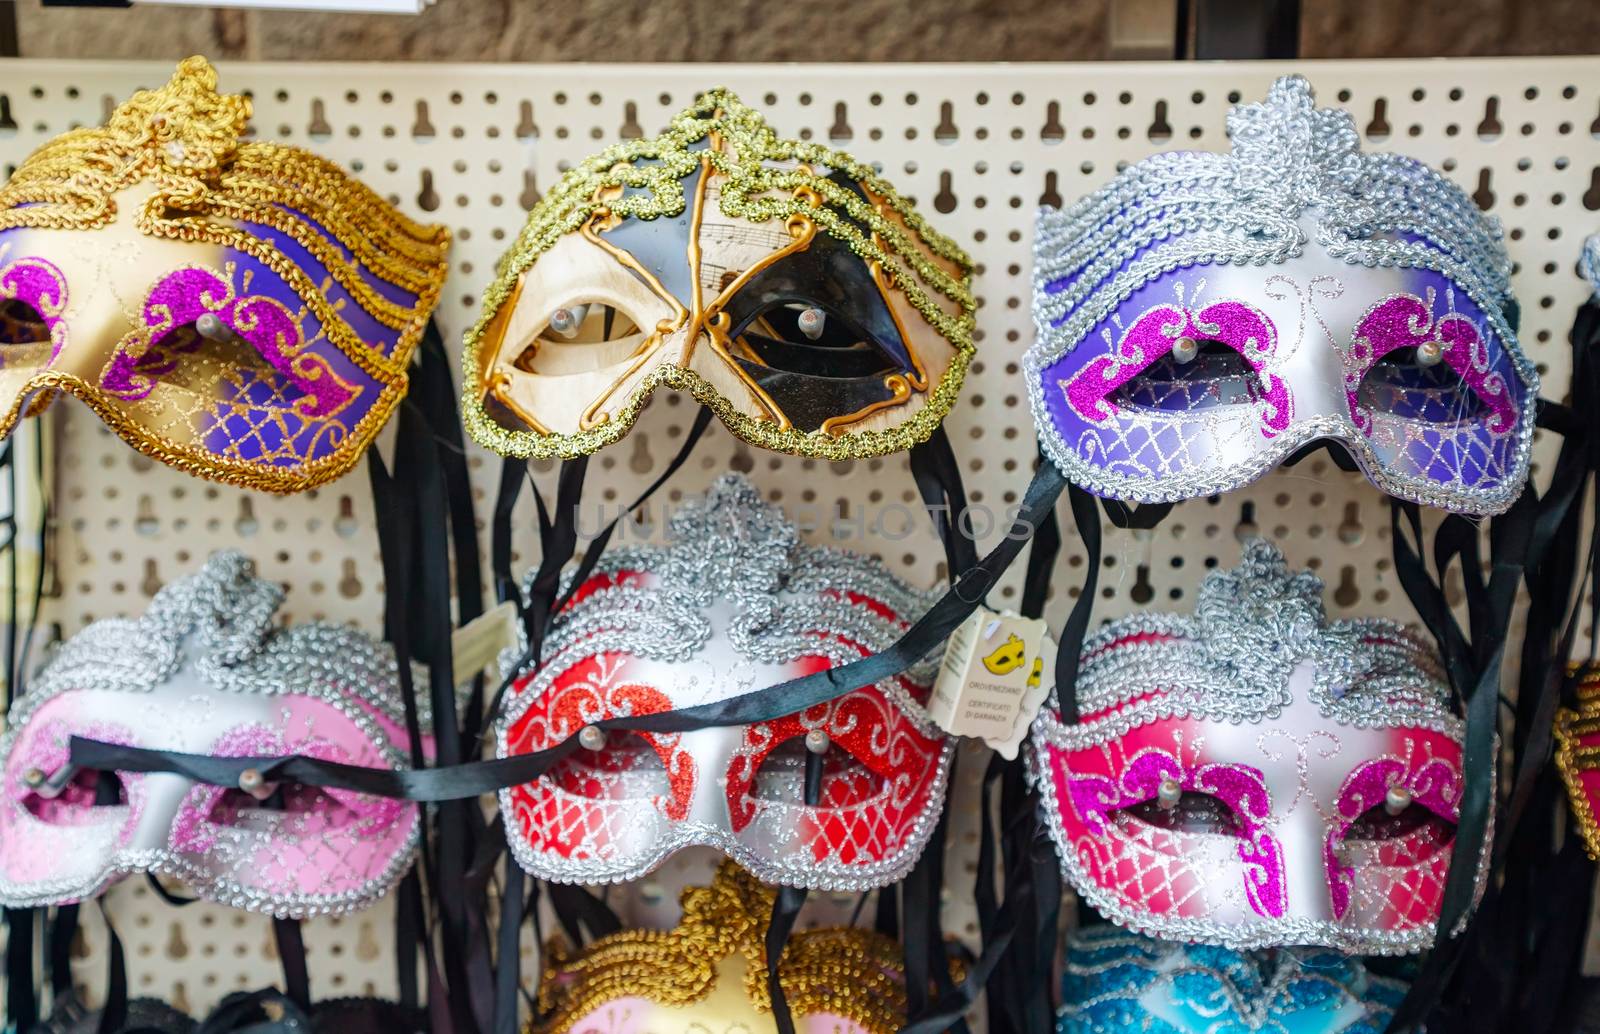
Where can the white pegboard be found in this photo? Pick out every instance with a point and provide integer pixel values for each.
(979, 146)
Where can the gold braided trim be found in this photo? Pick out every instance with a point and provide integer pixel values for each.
(1573, 759)
(195, 459)
(752, 189)
(185, 139)
(856, 974)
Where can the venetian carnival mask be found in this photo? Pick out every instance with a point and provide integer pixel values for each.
(1577, 732)
(733, 603)
(710, 974)
(781, 283)
(244, 311)
(1206, 316)
(1255, 775)
(1118, 981)
(206, 671)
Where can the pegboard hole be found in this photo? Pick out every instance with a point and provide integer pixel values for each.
(421, 128)
(945, 201)
(1160, 130)
(839, 132)
(1379, 129)
(427, 197)
(1491, 127)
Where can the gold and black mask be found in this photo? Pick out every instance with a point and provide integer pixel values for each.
(781, 283)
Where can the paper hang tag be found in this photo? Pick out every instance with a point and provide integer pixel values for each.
(995, 675)
(477, 644)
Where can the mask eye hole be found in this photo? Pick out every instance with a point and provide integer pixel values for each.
(21, 324)
(813, 340)
(308, 806)
(1404, 385)
(581, 338)
(1377, 825)
(1194, 812)
(1193, 376)
(846, 782)
(627, 767)
(186, 358)
(24, 335)
(80, 799)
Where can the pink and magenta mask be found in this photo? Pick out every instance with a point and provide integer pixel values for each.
(733, 603)
(1205, 316)
(207, 671)
(1255, 775)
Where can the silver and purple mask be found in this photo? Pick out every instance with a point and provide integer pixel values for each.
(1205, 316)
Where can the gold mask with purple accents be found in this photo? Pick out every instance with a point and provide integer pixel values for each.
(243, 311)
(783, 284)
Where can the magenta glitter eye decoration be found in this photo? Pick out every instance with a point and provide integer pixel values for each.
(1256, 776)
(1205, 316)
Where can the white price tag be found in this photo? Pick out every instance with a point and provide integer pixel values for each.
(995, 675)
(477, 644)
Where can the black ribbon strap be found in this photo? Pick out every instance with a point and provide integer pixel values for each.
(462, 781)
(937, 473)
(292, 954)
(785, 910)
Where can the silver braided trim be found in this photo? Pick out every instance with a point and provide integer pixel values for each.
(1232, 659)
(1288, 157)
(223, 616)
(733, 545)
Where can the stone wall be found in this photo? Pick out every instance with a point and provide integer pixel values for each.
(772, 30)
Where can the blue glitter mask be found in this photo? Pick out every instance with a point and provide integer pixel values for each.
(1119, 981)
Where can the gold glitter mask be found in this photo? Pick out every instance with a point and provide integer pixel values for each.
(709, 976)
(1578, 756)
(781, 283)
(243, 311)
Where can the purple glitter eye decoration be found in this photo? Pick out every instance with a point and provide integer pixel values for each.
(1169, 332)
(1451, 345)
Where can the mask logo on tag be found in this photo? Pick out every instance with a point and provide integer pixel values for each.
(1007, 657)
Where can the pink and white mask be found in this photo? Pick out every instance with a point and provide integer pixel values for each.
(1255, 776)
(734, 603)
(206, 671)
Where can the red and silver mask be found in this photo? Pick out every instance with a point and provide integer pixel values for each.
(733, 603)
(1255, 775)
(206, 670)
